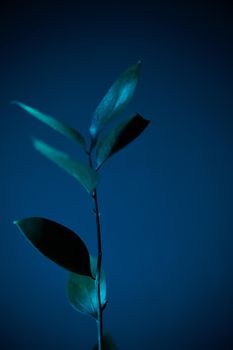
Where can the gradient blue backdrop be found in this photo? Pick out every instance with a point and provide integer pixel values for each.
(166, 200)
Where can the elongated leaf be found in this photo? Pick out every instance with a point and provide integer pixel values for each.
(82, 172)
(82, 291)
(58, 243)
(55, 124)
(116, 99)
(108, 343)
(120, 136)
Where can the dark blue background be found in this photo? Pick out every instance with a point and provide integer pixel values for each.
(166, 200)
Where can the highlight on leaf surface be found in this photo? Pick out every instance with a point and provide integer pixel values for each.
(55, 124)
(120, 136)
(87, 177)
(82, 291)
(109, 344)
(58, 243)
(116, 99)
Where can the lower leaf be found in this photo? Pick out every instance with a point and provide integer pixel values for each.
(82, 291)
(58, 243)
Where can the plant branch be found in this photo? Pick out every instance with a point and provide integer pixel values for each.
(99, 264)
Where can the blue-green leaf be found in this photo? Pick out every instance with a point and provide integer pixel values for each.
(109, 344)
(87, 177)
(82, 291)
(55, 124)
(116, 99)
(120, 136)
(58, 243)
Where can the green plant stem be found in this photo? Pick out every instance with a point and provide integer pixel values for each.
(99, 263)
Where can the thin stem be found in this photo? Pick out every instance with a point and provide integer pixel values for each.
(99, 263)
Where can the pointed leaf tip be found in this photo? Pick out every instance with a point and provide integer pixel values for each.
(58, 243)
(116, 99)
(55, 124)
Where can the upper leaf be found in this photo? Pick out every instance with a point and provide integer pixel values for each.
(82, 172)
(120, 136)
(109, 344)
(55, 124)
(82, 291)
(58, 243)
(116, 99)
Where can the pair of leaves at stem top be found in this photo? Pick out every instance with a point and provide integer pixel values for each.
(113, 103)
(65, 248)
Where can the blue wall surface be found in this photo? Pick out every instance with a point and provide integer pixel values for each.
(166, 199)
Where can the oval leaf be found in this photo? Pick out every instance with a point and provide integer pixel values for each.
(82, 172)
(58, 243)
(120, 136)
(116, 99)
(82, 291)
(108, 343)
(55, 124)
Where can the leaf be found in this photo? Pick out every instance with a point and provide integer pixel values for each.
(120, 136)
(82, 291)
(58, 243)
(108, 343)
(55, 124)
(116, 99)
(82, 172)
